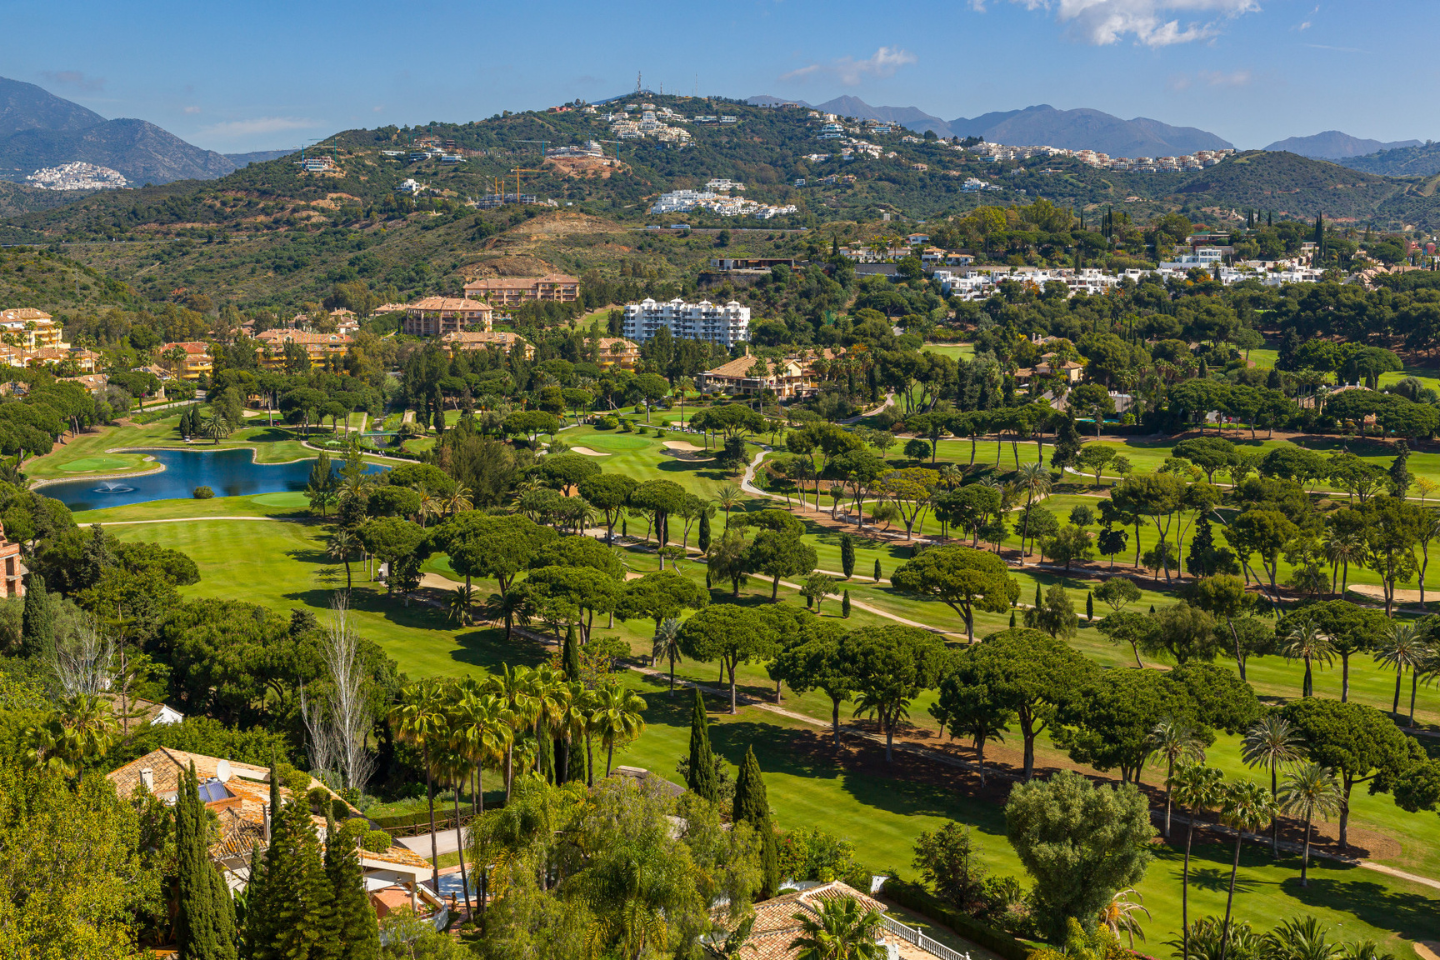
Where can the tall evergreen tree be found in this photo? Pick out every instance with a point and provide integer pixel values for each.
(845, 605)
(702, 539)
(1400, 469)
(37, 626)
(355, 926)
(877, 569)
(295, 916)
(752, 807)
(701, 779)
(205, 918)
(570, 655)
(847, 555)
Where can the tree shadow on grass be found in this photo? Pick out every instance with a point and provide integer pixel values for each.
(1217, 879)
(1413, 916)
(487, 647)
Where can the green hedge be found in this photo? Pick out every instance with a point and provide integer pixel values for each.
(917, 898)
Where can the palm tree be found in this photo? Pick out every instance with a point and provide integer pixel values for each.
(511, 607)
(550, 695)
(616, 716)
(1124, 914)
(216, 427)
(453, 769)
(667, 646)
(459, 604)
(459, 500)
(512, 686)
(1177, 743)
(1273, 742)
(1311, 791)
(1304, 939)
(1246, 808)
(341, 547)
(420, 719)
(729, 495)
(478, 730)
(1343, 547)
(683, 385)
(1305, 641)
(1402, 647)
(1195, 787)
(1034, 479)
(840, 931)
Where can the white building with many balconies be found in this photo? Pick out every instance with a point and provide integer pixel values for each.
(728, 324)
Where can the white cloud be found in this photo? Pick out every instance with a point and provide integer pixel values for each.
(850, 72)
(192, 110)
(1154, 23)
(246, 128)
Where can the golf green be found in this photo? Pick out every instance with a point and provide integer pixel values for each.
(618, 441)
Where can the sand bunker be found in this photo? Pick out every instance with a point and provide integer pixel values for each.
(679, 445)
(588, 452)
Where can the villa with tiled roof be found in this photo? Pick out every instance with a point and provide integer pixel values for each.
(239, 795)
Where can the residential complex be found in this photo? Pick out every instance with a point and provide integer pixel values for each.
(513, 291)
(28, 327)
(502, 340)
(77, 176)
(726, 325)
(318, 346)
(434, 316)
(682, 201)
(192, 358)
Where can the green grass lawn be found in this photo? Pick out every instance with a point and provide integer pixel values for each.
(879, 808)
(93, 451)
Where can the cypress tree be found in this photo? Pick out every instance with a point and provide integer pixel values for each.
(847, 555)
(295, 917)
(1089, 606)
(1400, 469)
(1012, 619)
(1038, 599)
(877, 569)
(545, 759)
(709, 580)
(356, 928)
(701, 779)
(205, 919)
(845, 605)
(37, 626)
(702, 540)
(570, 655)
(752, 807)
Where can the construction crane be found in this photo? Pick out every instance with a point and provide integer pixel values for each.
(617, 148)
(517, 171)
(543, 144)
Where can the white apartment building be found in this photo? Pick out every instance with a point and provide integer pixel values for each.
(728, 324)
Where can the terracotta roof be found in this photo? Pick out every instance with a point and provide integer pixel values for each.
(452, 303)
(740, 368)
(189, 346)
(775, 924)
(242, 823)
(279, 336)
(24, 314)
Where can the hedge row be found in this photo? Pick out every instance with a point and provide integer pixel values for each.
(917, 898)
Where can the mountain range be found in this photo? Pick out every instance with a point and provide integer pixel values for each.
(1334, 145)
(39, 129)
(1042, 124)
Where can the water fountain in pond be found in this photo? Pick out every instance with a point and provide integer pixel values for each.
(109, 486)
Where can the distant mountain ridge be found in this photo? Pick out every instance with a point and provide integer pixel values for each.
(39, 129)
(1335, 145)
(1418, 160)
(1079, 129)
(257, 156)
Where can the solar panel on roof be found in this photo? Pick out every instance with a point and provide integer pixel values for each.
(213, 790)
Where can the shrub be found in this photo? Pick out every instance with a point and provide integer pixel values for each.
(626, 426)
(203, 493)
(376, 841)
(607, 423)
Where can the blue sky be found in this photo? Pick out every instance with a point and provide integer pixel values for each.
(263, 74)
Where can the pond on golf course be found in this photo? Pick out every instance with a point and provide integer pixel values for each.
(230, 473)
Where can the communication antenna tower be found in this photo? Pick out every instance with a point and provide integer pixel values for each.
(637, 81)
